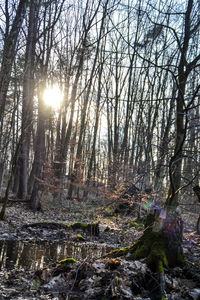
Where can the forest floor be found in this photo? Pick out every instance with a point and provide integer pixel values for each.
(30, 256)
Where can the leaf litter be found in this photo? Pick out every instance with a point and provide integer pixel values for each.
(88, 278)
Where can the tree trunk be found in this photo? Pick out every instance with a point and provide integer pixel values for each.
(35, 200)
(61, 168)
(39, 156)
(13, 168)
(92, 157)
(8, 56)
(9, 53)
(181, 117)
(28, 93)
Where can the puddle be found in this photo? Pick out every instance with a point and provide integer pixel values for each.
(38, 254)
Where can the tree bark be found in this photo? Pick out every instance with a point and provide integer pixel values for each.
(28, 93)
(10, 43)
(181, 117)
(39, 156)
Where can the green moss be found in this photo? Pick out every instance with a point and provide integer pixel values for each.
(141, 252)
(158, 252)
(110, 211)
(68, 261)
(154, 247)
(150, 246)
(142, 247)
(135, 225)
(138, 250)
(92, 228)
(160, 267)
(78, 225)
(120, 251)
(80, 237)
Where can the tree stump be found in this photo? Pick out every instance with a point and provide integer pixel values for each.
(161, 245)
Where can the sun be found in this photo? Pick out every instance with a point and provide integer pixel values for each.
(53, 96)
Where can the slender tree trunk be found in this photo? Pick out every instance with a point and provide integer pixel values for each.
(163, 147)
(181, 118)
(9, 184)
(39, 156)
(65, 143)
(97, 115)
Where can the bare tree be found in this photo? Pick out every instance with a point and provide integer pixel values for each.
(10, 39)
(185, 68)
(10, 42)
(28, 94)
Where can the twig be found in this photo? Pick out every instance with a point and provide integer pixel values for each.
(68, 294)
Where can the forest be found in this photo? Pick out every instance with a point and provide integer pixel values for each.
(100, 149)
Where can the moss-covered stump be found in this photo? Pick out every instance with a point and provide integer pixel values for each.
(92, 228)
(150, 246)
(160, 242)
(160, 245)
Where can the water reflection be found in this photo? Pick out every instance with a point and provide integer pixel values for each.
(38, 254)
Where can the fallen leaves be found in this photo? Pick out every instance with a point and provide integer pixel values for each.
(90, 279)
